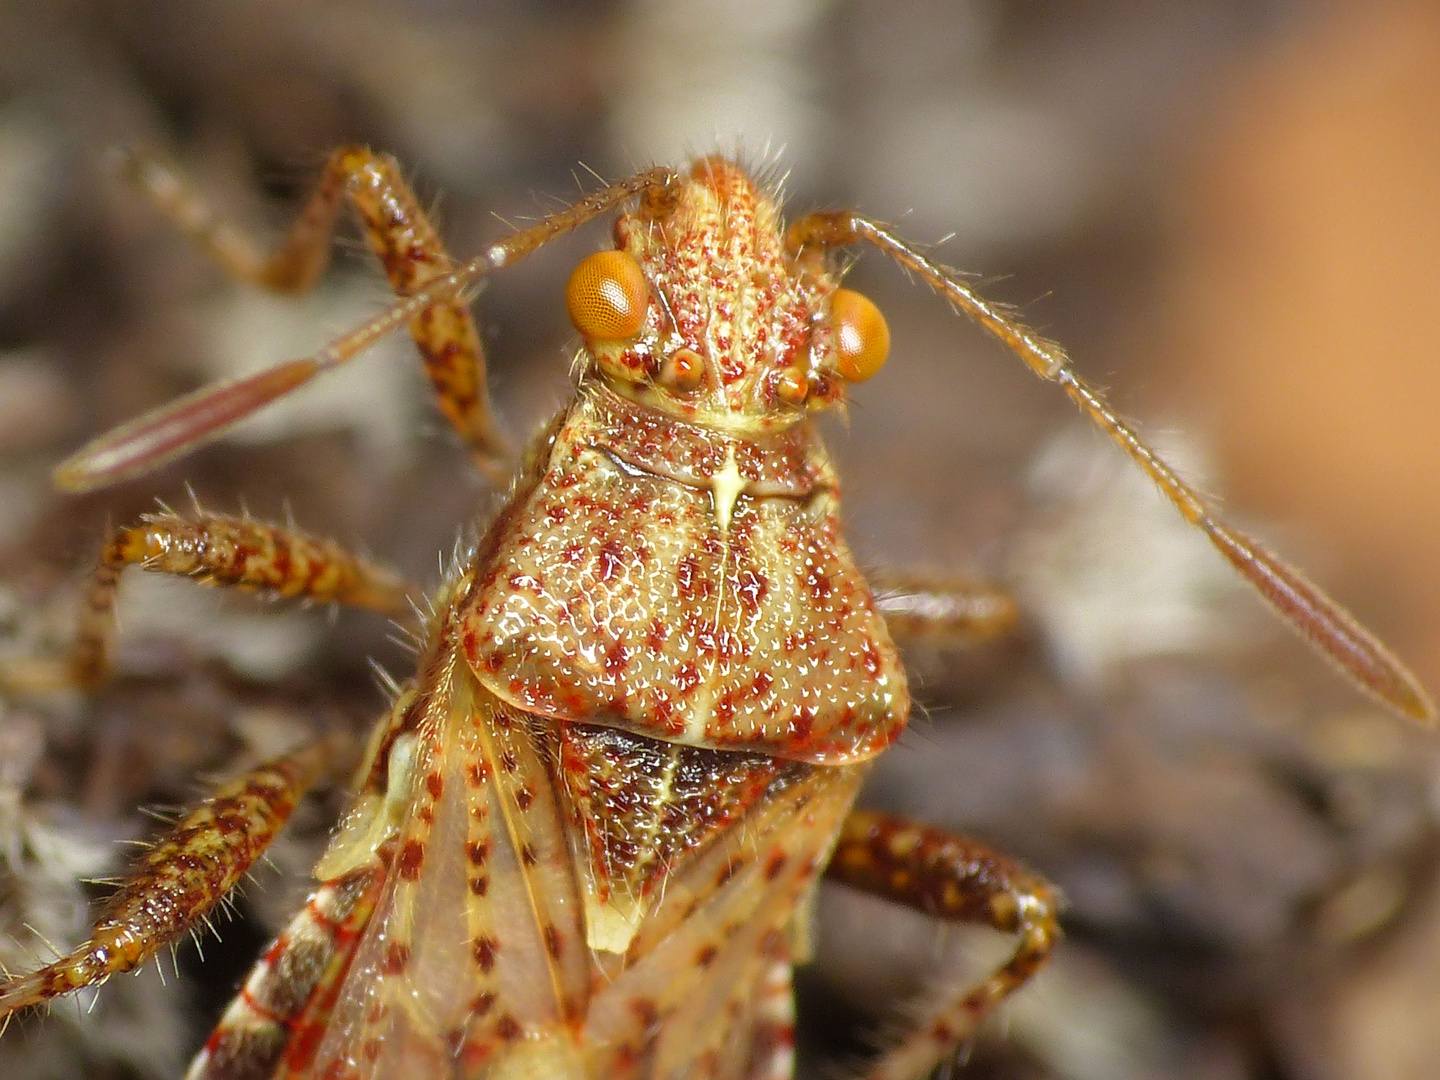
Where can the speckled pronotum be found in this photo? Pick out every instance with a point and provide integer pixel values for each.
(583, 838)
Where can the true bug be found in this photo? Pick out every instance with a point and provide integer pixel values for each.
(583, 838)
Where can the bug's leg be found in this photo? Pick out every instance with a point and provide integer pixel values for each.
(175, 429)
(1328, 627)
(959, 880)
(937, 610)
(402, 238)
(772, 1048)
(288, 995)
(181, 878)
(234, 552)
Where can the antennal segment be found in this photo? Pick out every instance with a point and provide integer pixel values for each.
(181, 426)
(1332, 630)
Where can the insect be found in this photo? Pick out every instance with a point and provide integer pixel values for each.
(584, 836)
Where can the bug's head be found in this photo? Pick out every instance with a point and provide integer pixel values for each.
(701, 312)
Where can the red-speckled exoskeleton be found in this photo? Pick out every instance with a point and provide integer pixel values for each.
(583, 838)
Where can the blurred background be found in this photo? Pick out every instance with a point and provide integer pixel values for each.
(1226, 209)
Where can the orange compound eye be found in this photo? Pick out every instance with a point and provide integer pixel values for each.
(607, 296)
(862, 339)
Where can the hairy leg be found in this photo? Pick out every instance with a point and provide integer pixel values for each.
(958, 880)
(173, 430)
(233, 552)
(399, 233)
(937, 610)
(180, 879)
